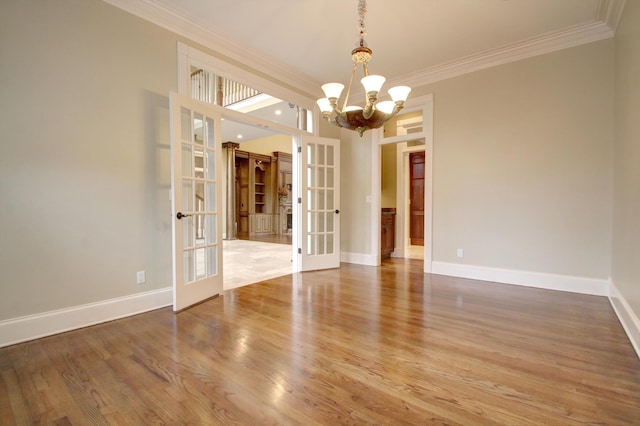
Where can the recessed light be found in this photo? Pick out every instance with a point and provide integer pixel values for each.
(278, 112)
(239, 136)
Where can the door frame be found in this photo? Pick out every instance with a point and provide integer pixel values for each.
(424, 104)
(188, 56)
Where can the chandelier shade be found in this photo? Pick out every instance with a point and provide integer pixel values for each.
(374, 114)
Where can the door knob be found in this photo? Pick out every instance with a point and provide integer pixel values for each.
(180, 215)
(337, 211)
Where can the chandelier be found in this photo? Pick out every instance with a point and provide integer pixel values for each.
(374, 113)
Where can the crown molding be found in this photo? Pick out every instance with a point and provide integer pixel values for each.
(172, 20)
(606, 19)
(550, 42)
(610, 12)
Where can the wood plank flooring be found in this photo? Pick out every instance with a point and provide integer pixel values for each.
(355, 345)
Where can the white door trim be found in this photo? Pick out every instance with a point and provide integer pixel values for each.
(424, 104)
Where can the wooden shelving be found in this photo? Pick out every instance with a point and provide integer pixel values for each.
(258, 201)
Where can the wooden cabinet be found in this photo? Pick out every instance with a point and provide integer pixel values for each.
(284, 212)
(256, 187)
(261, 223)
(388, 234)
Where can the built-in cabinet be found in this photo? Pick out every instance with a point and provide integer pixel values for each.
(284, 193)
(388, 232)
(255, 189)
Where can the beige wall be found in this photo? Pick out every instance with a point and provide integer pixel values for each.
(355, 185)
(523, 158)
(626, 229)
(268, 145)
(522, 166)
(388, 176)
(84, 158)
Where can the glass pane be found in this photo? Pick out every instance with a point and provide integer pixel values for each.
(321, 154)
(187, 231)
(311, 240)
(320, 177)
(199, 197)
(311, 177)
(211, 142)
(311, 153)
(330, 216)
(187, 196)
(211, 229)
(311, 222)
(198, 160)
(211, 197)
(231, 94)
(330, 177)
(185, 124)
(329, 155)
(187, 160)
(199, 226)
(321, 202)
(201, 263)
(188, 266)
(329, 243)
(198, 130)
(321, 244)
(212, 261)
(330, 205)
(321, 221)
(211, 165)
(311, 200)
(404, 124)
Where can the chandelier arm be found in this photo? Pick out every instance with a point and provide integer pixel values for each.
(369, 108)
(332, 121)
(346, 97)
(399, 105)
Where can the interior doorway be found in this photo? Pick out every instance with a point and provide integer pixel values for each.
(405, 143)
(261, 246)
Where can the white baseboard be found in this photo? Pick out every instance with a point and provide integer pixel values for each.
(31, 327)
(359, 259)
(525, 278)
(627, 317)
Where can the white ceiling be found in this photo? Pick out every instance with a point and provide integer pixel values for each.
(312, 39)
(305, 43)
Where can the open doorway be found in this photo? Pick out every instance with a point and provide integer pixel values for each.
(258, 231)
(405, 179)
(403, 199)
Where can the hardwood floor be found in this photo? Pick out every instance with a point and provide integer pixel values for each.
(355, 345)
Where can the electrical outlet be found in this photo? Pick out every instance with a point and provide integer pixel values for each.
(140, 277)
(460, 253)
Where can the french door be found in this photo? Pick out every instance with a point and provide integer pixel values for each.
(320, 202)
(196, 164)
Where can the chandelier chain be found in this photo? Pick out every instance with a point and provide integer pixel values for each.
(362, 9)
(346, 98)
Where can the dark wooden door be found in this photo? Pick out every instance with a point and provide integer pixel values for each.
(416, 194)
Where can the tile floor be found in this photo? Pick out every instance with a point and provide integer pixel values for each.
(247, 262)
